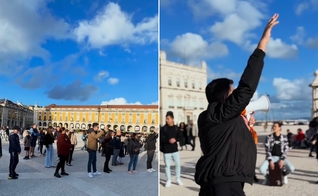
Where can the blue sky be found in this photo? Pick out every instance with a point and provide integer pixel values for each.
(79, 51)
(224, 33)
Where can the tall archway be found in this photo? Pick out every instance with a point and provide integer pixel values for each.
(144, 129)
(129, 128)
(44, 124)
(122, 128)
(137, 128)
(40, 124)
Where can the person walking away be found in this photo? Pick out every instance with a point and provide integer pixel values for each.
(48, 142)
(63, 148)
(223, 132)
(117, 147)
(56, 134)
(27, 144)
(42, 135)
(151, 148)
(92, 142)
(182, 143)
(134, 146)
(34, 137)
(14, 150)
(169, 136)
(108, 148)
(73, 140)
(188, 136)
(193, 133)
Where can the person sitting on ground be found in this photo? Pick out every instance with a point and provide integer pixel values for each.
(299, 139)
(289, 138)
(276, 147)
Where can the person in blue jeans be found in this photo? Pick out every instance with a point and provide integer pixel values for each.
(170, 134)
(276, 147)
(134, 146)
(117, 146)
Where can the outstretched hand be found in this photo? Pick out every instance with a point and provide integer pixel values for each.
(267, 32)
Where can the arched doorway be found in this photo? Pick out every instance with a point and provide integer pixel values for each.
(40, 124)
(83, 126)
(44, 124)
(66, 125)
(137, 128)
(72, 125)
(60, 124)
(144, 129)
(152, 129)
(77, 125)
(102, 126)
(122, 128)
(50, 124)
(129, 128)
(115, 127)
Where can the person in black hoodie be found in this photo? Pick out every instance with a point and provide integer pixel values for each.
(14, 150)
(151, 148)
(229, 151)
(108, 148)
(170, 134)
(134, 146)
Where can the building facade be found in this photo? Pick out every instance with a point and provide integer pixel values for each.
(128, 118)
(182, 90)
(314, 86)
(15, 114)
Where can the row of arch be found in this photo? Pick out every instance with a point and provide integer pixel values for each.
(128, 128)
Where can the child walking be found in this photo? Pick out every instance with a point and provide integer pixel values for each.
(27, 144)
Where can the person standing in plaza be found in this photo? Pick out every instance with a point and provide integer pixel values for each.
(117, 147)
(14, 150)
(73, 140)
(48, 142)
(151, 141)
(108, 149)
(34, 137)
(134, 146)
(63, 148)
(92, 147)
(169, 137)
(27, 144)
(223, 132)
(0, 147)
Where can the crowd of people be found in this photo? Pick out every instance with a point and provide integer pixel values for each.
(110, 143)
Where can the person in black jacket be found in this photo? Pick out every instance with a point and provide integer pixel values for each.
(151, 148)
(170, 134)
(14, 150)
(108, 148)
(134, 146)
(229, 151)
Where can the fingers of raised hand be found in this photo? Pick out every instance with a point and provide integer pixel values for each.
(273, 21)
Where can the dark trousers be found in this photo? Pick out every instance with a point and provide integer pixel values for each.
(91, 161)
(193, 142)
(107, 159)
(224, 189)
(14, 160)
(41, 147)
(150, 154)
(61, 164)
(70, 156)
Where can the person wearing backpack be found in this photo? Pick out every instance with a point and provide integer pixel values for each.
(169, 136)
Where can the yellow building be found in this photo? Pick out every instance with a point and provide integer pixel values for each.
(124, 117)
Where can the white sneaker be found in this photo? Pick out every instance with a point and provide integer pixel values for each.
(90, 175)
(168, 183)
(153, 170)
(97, 173)
(285, 180)
(149, 170)
(179, 182)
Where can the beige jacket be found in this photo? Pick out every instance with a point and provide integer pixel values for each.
(92, 139)
(73, 140)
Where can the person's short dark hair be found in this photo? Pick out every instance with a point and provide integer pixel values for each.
(50, 127)
(170, 113)
(278, 123)
(95, 125)
(16, 128)
(63, 128)
(217, 89)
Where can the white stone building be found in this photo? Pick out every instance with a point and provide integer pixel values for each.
(314, 86)
(12, 114)
(182, 90)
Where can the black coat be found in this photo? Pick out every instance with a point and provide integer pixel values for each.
(226, 142)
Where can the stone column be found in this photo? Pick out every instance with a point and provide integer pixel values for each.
(314, 86)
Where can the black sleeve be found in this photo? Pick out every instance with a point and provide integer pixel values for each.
(179, 134)
(163, 138)
(14, 144)
(241, 96)
(0, 147)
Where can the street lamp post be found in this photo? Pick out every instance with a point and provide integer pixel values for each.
(98, 115)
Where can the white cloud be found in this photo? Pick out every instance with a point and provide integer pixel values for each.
(298, 38)
(301, 8)
(276, 48)
(297, 89)
(312, 43)
(154, 103)
(193, 48)
(222, 72)
(25, 25)
(101, 53)
(113, 81)
(113, 26)
(119, 101)
(101, 76)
